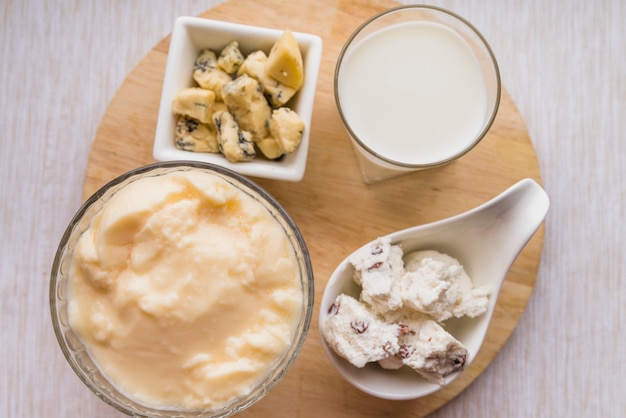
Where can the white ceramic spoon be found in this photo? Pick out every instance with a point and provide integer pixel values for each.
(486, 240)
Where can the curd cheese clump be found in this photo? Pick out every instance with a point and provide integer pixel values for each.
(397, 318)
(185, 290)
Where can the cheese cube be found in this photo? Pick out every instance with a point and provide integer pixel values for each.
(284, 62)
(246, 102)
(192, 135)
(208, 75)
(194, 102)
(234, 143)
(271, 148)
(230, 58)
(287, 127)
(276, 92)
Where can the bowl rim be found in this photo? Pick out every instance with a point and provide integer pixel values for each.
(284, 362)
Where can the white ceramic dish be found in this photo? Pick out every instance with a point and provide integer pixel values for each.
(486, 240)
(191, 35)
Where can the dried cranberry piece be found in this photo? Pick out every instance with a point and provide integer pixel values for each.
(376, 266)
(359, 326)
(406, 351)
(333, 309)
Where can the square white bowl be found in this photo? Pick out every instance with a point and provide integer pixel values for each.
(190, 36)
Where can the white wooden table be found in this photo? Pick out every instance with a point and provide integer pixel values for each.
(564, 64)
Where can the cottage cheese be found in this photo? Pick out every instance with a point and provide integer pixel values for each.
(405, 299)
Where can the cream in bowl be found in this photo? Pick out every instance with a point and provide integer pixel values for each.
(181, 287)
(405, 314)
(416, 87)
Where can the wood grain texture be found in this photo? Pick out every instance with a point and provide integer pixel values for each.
(563, 63)
(334, 210)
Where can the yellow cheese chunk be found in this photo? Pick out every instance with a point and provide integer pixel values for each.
(271, 148)
(193, 135)
(230, 58)
(276, 92)
(246, 102)
(235, 143)
(207, 73)
(194, 102)
(287, 127)
(284, 62)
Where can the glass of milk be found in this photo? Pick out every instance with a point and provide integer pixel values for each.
(416, 87)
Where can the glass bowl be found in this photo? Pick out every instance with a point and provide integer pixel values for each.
(78, 355)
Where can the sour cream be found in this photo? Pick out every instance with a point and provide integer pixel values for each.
(185, 291)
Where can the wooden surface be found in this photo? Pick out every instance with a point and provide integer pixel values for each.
(64, 62)
(333, 208)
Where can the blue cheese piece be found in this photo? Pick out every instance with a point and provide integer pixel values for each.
(235, 143)
(194, 102)
(277, 93)
(193, 135)
(207, 73)
(246, 102)
(286, 127)
(230, 58)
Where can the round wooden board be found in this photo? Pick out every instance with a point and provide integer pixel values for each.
(334, 209)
